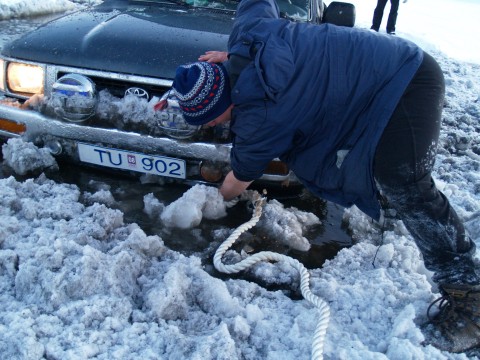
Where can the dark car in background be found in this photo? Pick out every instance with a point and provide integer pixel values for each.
(85, 86)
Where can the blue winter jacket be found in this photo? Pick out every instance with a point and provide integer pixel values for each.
(316, 96)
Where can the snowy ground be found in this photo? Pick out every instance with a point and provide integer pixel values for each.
(77, 282)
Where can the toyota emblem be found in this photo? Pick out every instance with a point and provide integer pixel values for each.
(138, 92)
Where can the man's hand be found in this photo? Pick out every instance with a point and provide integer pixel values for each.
(214, 56)
(232, 187)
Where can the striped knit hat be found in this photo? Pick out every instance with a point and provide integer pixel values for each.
(203, 91)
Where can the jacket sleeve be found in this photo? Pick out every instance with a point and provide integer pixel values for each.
(258, 139)
(255, 143)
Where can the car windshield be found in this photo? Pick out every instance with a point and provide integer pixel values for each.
(292, 9)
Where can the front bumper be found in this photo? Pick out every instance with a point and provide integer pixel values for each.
(62, 139)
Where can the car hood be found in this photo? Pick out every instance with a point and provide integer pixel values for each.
(134, 39)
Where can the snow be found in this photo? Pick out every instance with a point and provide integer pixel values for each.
(449, 26)
(25, 158)
(77, 282)
(25, 8)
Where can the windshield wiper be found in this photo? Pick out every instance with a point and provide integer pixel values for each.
(177, 2)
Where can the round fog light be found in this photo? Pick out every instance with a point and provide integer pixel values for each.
(74, 97)
(54, 147)
(210, 172)
(171, 121)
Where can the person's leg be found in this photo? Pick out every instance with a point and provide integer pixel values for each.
(392, 16)
(378, 15)
(403, 164)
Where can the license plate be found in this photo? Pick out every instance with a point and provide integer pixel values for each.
(127, 160)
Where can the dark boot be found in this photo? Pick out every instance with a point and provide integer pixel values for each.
(456, 327)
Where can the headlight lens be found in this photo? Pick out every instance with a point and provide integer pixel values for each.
(25, 78)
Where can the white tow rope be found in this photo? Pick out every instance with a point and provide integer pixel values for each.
(321, 329)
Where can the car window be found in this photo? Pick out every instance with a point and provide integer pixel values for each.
(292, 9)
(215, 4)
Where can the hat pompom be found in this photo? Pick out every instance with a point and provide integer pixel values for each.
(203, 91)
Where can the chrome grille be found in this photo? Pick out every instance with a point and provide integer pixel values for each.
(117, 87)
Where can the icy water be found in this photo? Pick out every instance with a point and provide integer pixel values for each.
(128, 191)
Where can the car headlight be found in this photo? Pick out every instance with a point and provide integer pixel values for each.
(25, 79)
(2, 77)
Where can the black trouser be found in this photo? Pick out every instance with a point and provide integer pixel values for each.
(404, 161)
(392, 16)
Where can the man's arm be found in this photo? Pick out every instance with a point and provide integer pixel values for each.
(232, 187)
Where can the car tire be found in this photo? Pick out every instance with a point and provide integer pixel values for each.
(340, 13)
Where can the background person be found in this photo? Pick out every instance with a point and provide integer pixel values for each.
(392, 16)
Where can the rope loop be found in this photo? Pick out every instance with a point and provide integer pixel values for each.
(322, 324)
